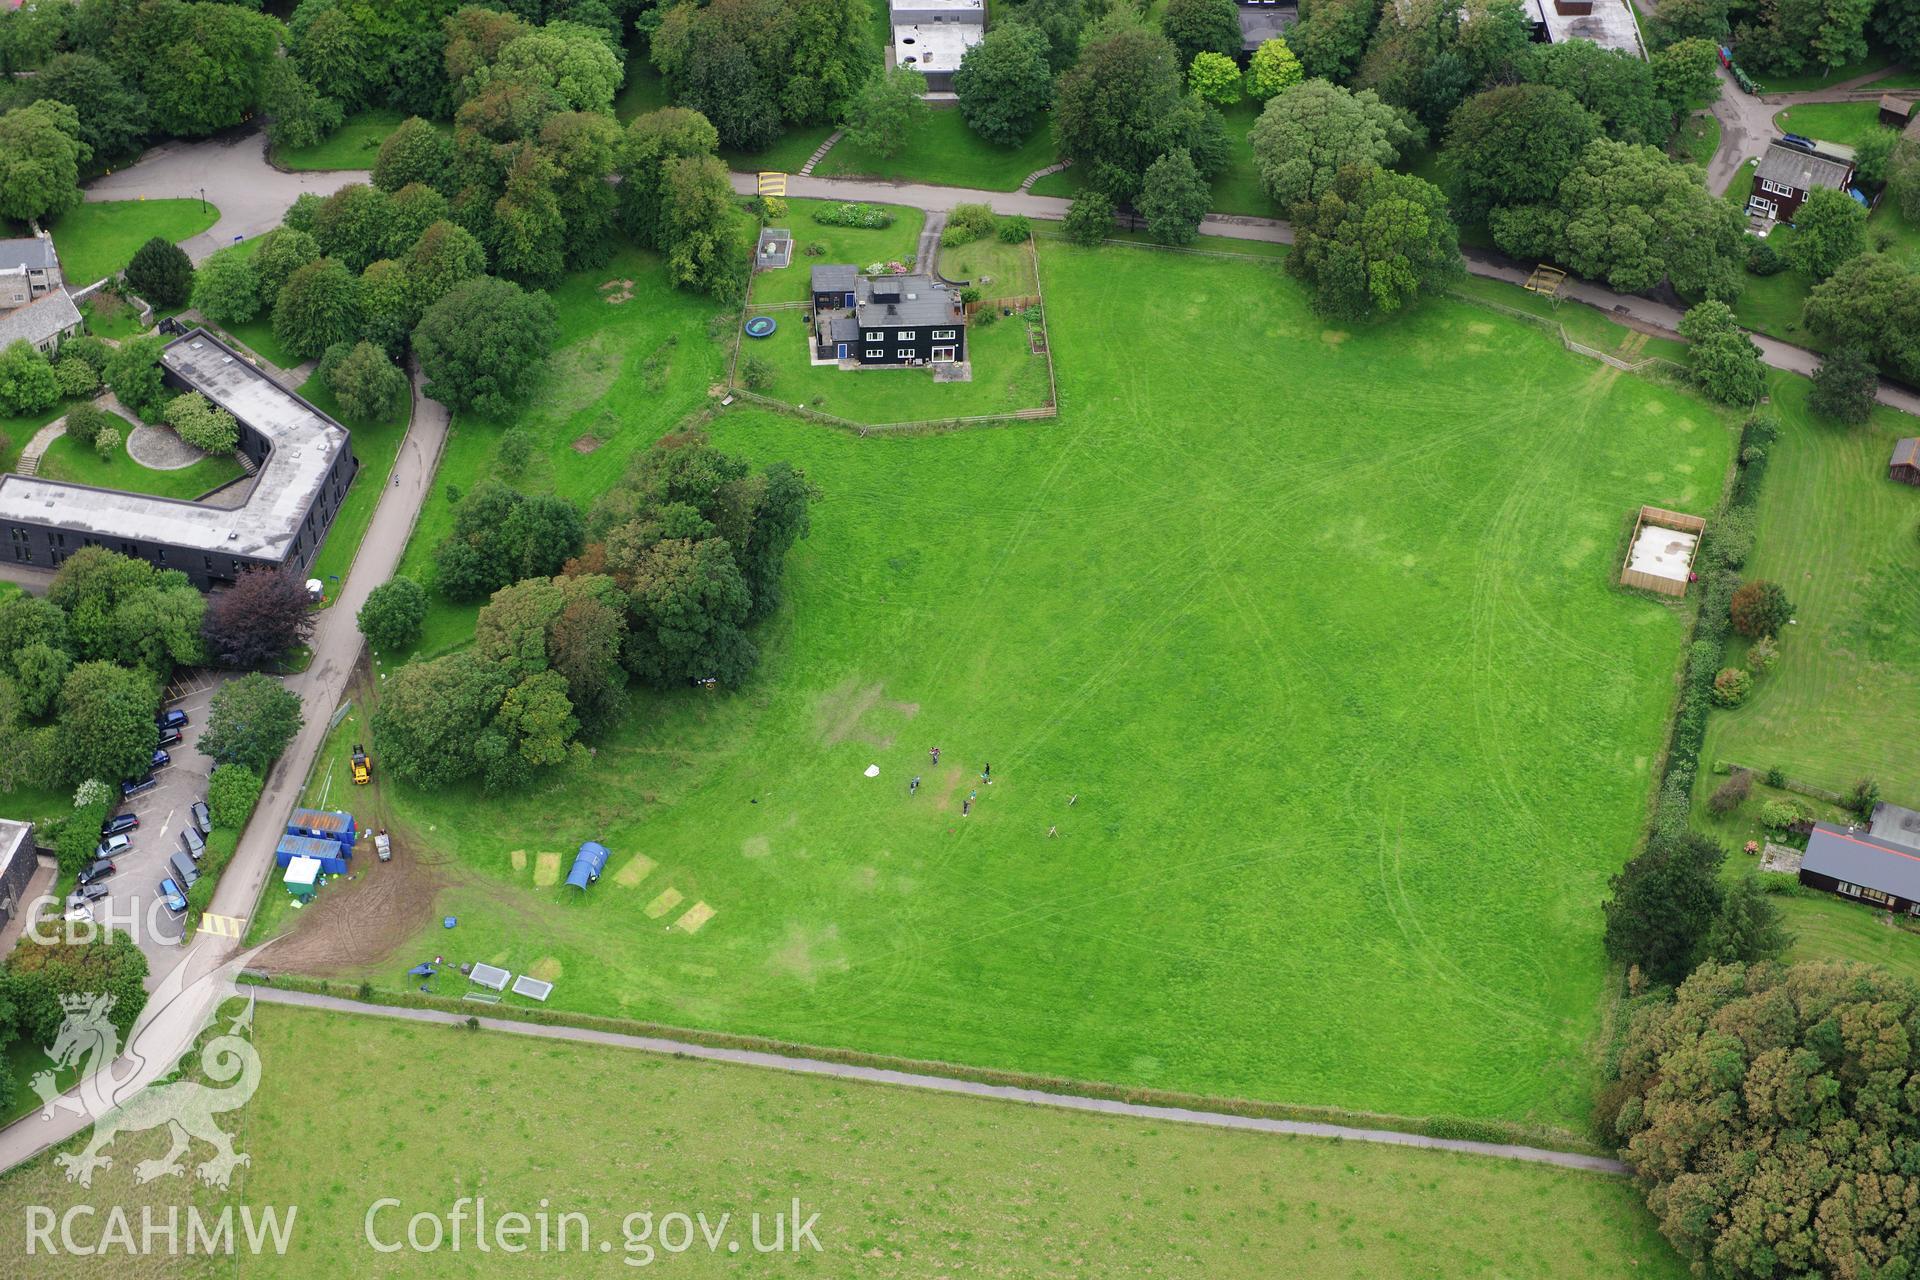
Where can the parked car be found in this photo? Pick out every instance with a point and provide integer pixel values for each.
(119, 824)
(195, 845)
(98, 870)
(174, 719)
(183, 869)
(201, 818)
(113, 847)
(137, 786)
(79, 911)
(171, 895)
(169, 737)
(90, 892)
(161, 760)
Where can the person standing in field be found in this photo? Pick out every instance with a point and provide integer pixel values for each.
(914, 785)
(934, 755)
(986, 774)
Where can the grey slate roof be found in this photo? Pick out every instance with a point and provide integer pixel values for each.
(1895, 825)
(836, 277)
(1802, 170)
(39, 319)
(922, 301)
(304, 445)
(844, 329)
(1858, 858)
(35, 252)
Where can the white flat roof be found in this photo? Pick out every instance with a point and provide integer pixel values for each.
(13, 839)
(936, 6)
(1662, 553)
(303, 444)
(1610, 25)
(935, 47)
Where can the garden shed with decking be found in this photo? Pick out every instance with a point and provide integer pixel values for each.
(1904, 465)
(1660, 552)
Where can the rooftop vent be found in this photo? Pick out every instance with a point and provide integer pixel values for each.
(197, 344)
(233, 536)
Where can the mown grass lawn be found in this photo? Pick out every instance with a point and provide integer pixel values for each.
(99, 238)
(1843, 701)
(786, 153)
(905, 1183)
(946, 152)
(861, 246)
(997, 269)
(1847, 123)
(625, 373)
(355, 145)
(1237, 190)
(1696, 140)
(1318, 625)
(376, 444)
(1006, 376)
(643, 91)
(256, 335)
(67, 459)
(1809, 81)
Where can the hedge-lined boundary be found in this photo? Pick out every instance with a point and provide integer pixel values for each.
(1454, 1127)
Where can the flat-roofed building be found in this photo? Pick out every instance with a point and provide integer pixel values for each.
(304, 462)
(931, 36)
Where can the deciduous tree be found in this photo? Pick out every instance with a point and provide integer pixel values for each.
(1871, 302)
(1214, 78)
(1005, 83)
(1307, 133)
(1173, 199)
(201, 424)
(1201, 26)
(1829, 228)
(40, 158)
(226, 289)
(1845, 387)
(318, 306)
(27, 384)
(232, 791)
(1760, 608)
(392, 616)
(1273, 69)
(134, 374)
(106, 721)
(1113, 108)
(250, 722)
(888, 111)
(1373, 242)
(417, 151)
(299, 115)
(1514, 145)
(259, 619)
(483, 344)
(365, 381)
(112, 116)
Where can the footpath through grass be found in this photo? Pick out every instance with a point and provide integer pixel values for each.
(1315, 627)
(904, 1183)
(99, 238)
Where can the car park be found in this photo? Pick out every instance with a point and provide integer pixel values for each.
(137, 786)
(195, 844)
(161, 760)
(175, 719)
(97, 870)
(171, 895)
(112, 847)
(183, 869)
(201, 818)
(119, 824)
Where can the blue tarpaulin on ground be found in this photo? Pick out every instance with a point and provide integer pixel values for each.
(588, 864)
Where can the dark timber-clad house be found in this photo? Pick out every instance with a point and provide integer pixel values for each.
(1880, 865)
(1788, 174)
(885, 320)
(303, 458)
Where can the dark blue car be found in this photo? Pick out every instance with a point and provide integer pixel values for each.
(175, 719)
(161, 759)
(135, 786)
(119, 824)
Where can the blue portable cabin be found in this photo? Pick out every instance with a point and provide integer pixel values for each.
(332, 859)
(323, 824)
(588, 864)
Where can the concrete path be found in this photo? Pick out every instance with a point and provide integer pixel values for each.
(231, 173)
(1642, 313)
(926, 257)
(36, 448)
(1026, 183)
(820, 152)
(166, 1032)
(944, 1084)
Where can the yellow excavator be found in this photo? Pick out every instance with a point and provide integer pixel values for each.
(362, 766)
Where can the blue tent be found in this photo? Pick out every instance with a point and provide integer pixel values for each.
(588, 864)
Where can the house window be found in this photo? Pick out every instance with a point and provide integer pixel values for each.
(943, 355)
(904, 353)
(946, 334)
(1875, 895)
(1763, 206)
(1775, 188)
(23, 554)
(876, 353)
(903, 335)
(877, 337)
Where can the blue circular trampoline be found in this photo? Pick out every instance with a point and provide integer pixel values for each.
(761, 326)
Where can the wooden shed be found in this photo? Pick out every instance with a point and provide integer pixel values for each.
(1895, 113)
(1904, 465)
(1660, 551)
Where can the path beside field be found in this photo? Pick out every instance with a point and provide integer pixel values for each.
(943, 1084)
(1637, 312)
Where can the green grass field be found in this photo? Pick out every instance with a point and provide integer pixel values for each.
(904, 1183)
(1847, 123)
(355, 145)
(1696, 140)
(997, 269)
(1808, 81)
(625, 373)
(1317, 624)
(376, 444)
(67, 459)
(99, 238)
(1843, 700)
(945, 151)
(1006, 376)
(256, 335)
(861, 246)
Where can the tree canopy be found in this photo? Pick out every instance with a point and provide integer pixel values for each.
(1514, 145)
(483, 344)
(1306, 134)
(40, 158)
(250, 722)
(1372, 242)
(1005, 83)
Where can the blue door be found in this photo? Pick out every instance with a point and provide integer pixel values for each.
(849, 297)
(843, 351)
